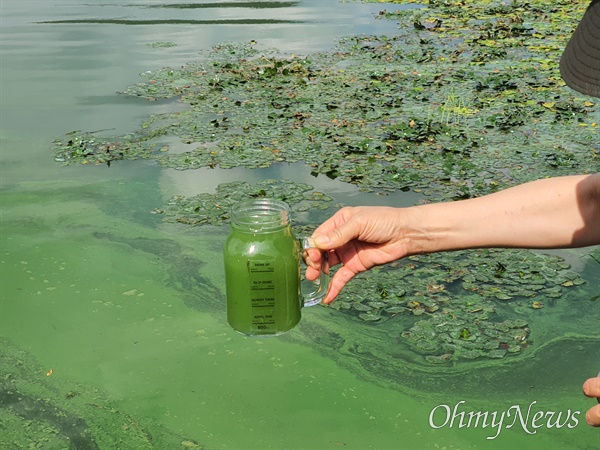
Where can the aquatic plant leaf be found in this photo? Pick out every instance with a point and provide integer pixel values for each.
(369, 317)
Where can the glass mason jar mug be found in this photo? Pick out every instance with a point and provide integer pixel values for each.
(262, 270)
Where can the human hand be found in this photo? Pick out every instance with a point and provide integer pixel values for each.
(359, 238)
(591, 388)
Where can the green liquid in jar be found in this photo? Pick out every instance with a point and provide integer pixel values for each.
(262, 275)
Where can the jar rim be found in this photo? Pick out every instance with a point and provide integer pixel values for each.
(260, 213)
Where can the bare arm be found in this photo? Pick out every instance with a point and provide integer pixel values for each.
(551, 213)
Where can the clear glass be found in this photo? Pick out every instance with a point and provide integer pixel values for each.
(262, 270)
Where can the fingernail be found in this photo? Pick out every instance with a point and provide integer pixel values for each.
(321, 240)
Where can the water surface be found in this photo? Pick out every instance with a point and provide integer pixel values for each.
(116, 320)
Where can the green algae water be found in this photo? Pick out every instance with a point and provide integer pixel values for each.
(113, 324)
(262, 270)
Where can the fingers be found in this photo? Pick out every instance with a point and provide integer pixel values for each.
(313, 257)
(339, 280)
(337, 237)
(338, 230)
(591, 387)
(312, 273)
(340, 217)
(592, 417)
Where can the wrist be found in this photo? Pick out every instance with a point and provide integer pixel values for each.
(432, 228)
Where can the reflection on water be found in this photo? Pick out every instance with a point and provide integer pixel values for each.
(192, 182)
(113, 323)
(255, 5)
(175, 21)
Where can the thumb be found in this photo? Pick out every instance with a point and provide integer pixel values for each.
(337, 237)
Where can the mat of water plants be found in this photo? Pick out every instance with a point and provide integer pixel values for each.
(466, 98)
(215, 209)
(461, 306)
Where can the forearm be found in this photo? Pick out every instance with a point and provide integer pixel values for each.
(551, 213)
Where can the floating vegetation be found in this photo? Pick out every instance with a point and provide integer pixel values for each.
(90, 147)
(459, 305)
(214, 209)
(430, 109)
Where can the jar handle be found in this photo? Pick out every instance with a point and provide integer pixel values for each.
(315, 297)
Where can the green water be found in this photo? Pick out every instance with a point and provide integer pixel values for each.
(262, 275)
(113, 324)
(131, 317)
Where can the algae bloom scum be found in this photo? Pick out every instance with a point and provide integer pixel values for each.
(112, 296)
